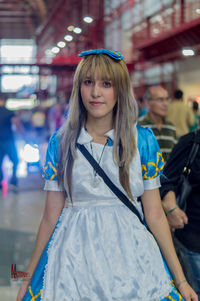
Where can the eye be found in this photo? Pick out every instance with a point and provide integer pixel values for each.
(107, 84)
(87, 82)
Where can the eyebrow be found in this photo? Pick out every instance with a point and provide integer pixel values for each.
(103, 79)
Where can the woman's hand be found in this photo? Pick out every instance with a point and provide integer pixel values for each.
(187, 292)
(22, 290)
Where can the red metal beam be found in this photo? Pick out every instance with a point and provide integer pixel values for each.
(66, 60)
(168, 34)
(55, 12)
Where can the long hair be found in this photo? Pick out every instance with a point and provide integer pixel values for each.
(124, 118)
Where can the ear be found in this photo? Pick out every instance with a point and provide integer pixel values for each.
(148, 103)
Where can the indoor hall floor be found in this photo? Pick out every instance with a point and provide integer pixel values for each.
(20, 215)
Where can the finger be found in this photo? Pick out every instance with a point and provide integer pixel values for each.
(188, 298)
(185, 219)
(195, 298)
(181, 225)
(192, 296)
(183, 215)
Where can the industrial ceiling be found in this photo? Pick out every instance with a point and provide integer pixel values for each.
(20, 19)
(46, 22)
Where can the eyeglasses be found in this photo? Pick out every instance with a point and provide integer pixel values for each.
(162, 99)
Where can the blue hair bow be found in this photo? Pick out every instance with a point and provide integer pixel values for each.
(116, 55)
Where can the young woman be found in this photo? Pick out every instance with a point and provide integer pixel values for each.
(100, 251)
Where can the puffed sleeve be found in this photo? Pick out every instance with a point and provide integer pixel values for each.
(50, 173)
(152, 162)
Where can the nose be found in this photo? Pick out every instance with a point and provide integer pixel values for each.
(96, 91)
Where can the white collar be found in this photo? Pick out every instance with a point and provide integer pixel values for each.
(85, 137)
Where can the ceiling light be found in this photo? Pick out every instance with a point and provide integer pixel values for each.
(77, 30)
(159, 19)
(156, 30)
(55, 50)
(61, 44)
(198, 10)
(88, 19)
(68, 38)
(188, 52)
(70, 28)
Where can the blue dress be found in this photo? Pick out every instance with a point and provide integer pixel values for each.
(99, 250)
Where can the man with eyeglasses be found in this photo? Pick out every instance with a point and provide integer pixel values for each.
(158, 100)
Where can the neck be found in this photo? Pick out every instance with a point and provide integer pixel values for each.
(98, 127)
(158, 120)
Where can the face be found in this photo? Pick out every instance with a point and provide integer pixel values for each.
(2, 102)
(158, 105)
(98, 97)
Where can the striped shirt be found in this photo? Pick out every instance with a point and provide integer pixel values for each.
(166, 137)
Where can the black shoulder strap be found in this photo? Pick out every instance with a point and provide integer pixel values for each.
(108, 182)
(192, 153)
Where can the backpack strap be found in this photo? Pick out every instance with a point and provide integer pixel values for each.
(193, 153)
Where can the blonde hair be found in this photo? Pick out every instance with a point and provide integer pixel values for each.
(124, 118)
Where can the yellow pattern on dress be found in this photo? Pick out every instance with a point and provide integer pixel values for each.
(179, 295)
(170, 298)
(157, 170)
(53, 168)
(36, 296)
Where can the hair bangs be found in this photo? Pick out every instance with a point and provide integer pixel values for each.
(101, 64)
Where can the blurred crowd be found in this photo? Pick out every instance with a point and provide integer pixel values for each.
(168, 117)
(40, 123)
(24, 135)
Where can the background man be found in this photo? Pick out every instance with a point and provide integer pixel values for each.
(180, 114)
(7, 143)
(157, 99)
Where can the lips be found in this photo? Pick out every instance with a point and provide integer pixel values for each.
(96, 103)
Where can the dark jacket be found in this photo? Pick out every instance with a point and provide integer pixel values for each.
(189, 235)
